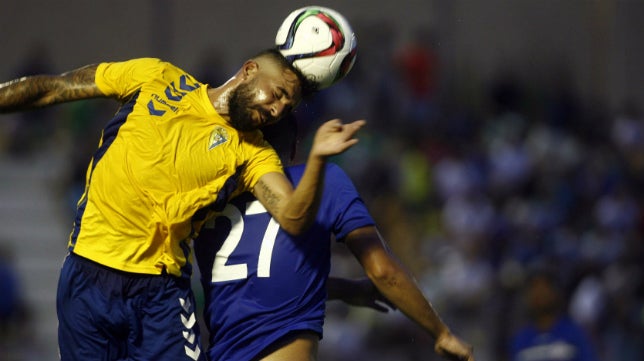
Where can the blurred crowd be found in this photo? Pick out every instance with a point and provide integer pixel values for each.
(470, 195)
(473, 195)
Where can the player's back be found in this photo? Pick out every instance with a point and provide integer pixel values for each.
(261, 283)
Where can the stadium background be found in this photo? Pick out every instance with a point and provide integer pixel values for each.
(501, 134)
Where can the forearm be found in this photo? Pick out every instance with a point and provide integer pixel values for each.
(43, 90)
(392, 280)
(300, 209)
(402, 291)
(398, 286)
(26, 93)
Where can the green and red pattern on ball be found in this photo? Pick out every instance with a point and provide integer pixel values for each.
(346, 64)
(337, 37)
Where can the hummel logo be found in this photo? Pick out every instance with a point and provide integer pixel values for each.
(191, 347)
(188, 322)
(189, 336)
(193, 354)
(185, 304)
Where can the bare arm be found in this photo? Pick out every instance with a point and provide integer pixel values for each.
(360, 292)
(295, 209)
(400, 288)
(42, 90)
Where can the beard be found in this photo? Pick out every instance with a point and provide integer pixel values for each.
(240, 110)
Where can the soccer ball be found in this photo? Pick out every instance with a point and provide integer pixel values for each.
(319, 42)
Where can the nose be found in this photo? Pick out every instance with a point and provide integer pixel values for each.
(279, 108)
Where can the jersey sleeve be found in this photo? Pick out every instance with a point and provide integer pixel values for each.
(262, 159)
(122, 79)
(348, 209)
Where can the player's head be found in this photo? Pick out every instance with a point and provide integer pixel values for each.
(282, 136)
(543, 291)
(270, 89)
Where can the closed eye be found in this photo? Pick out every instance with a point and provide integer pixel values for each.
(283, 94)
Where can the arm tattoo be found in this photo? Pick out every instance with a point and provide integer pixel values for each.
(43, 90)
(79, 84)
(271, 199)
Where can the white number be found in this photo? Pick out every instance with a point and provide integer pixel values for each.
(266, 251)
(221, 271)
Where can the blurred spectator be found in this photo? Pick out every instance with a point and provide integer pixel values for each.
(469, 195)
(16, 336)
(10, 291)
(623, 321)
(550, 334)
(417, 63)
(31, 130)
(455, 175)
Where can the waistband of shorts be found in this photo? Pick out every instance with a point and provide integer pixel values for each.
(86, 262)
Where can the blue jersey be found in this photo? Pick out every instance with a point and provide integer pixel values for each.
(261, 283)
(565, 341)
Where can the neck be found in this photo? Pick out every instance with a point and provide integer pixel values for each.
(546, 322)
(219, 96)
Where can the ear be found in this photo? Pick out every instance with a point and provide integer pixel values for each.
(249, 69)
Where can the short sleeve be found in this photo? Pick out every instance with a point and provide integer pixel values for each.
(122, 79)
(348, 210)
(262, 159)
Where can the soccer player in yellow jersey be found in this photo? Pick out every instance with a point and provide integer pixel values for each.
(175, 151)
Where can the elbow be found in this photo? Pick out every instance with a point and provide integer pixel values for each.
(383, 274)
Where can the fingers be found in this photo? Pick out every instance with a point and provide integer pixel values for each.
(350, 142)
(357, 123)
(333, 124)
(454, 349)
(360, 122)
(349, 130)
(338, 124)
(388, 303)
(379, 308)
(335, 137)
(461, 356)
(353, 127)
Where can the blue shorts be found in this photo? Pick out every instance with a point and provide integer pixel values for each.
(106, 314)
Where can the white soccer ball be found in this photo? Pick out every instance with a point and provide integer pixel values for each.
(319, 42)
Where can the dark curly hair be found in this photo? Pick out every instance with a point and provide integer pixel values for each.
(307, 87)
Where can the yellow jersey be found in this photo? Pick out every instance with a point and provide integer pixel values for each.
(164, 160)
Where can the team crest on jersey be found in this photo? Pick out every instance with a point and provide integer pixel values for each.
(218, 136)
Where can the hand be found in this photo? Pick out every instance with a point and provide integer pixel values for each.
(333, 137)
(452, 348)
(363, 293)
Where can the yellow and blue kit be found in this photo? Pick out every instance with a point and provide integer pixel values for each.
(164, 161)
(165, 157)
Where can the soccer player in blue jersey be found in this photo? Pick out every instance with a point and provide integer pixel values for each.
(550, 333)
(265, 290)
(176, 150)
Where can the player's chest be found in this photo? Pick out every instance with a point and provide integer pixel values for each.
(187, 150)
